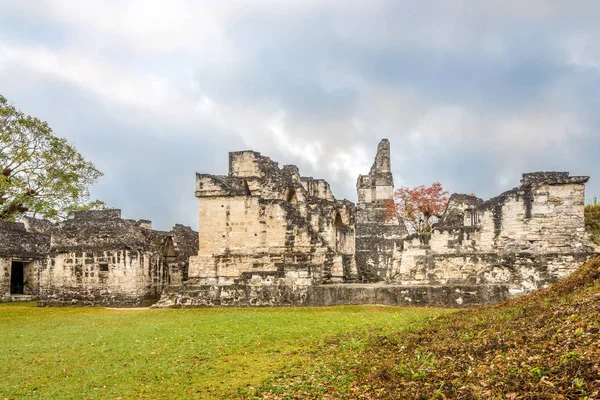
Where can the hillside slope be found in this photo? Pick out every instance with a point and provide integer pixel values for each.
(542, 346)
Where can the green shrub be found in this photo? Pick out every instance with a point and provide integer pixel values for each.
(592, 221)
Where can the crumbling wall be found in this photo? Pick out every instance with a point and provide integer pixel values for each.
(278, 292)
(526, 238)
(318, 188)
(109, 278)
(185, 244)
(36, 225)
(243, 234)
(544, 214)
(462, 210)
(98, 258)
(17, 245)
(5, 266)
(378, 238)
(265, 221)
(269, 236)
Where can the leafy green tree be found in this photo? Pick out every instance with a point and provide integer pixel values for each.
(40, 174)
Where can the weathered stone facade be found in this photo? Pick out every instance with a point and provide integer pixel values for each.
(92, 258)
(282, 293)
(269, 236)
(22, 254)
(270, 223)
(525, 238)
(98, 258)
(378, 239)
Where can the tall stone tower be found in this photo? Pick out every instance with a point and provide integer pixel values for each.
(377, 238)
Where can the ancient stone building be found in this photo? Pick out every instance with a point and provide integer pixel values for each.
(525, 238)
(185, 244)
(378, 238)
(92, 258)
(269, 236)
(96, 257)
(268, 228)
(22, 254)
(265, 222)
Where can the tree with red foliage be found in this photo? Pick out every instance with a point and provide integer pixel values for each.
(418, 207)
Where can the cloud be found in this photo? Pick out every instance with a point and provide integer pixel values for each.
(111, 83)
(469, 93)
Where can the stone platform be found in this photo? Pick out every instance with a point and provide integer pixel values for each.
(333, 294)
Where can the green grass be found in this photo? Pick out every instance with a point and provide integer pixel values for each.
(75, 353)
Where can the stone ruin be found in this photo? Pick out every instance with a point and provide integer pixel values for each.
(266, 223)
(378, 239)
(91, 258)
(269, 236)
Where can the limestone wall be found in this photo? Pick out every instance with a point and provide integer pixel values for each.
(244, 234)
(23, 247)
(318, 188)
(114, 278)
(98, 258)
(30, 279)
(264, 219)
(525, 238)
(378, 238)
(547, 217)
(278, 292)
(5, 264)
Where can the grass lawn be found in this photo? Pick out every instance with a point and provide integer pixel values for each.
(75, 353)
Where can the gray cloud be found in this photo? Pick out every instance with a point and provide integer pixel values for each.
(469, 94)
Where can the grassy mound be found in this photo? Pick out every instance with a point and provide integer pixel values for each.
(542, 346)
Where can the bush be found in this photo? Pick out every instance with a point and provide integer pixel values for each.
(592, 221)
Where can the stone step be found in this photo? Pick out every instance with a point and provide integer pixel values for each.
(21, 297)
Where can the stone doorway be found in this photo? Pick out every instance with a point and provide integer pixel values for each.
(338, 220)
(17, 278)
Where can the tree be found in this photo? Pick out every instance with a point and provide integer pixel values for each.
(40, 174)
(418, 207)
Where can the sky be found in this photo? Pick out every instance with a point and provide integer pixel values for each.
(469, 93)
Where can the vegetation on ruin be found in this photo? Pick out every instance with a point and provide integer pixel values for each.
(592, 221)
(542, 346)
(418, 207)
(40, 174)
(98, 353)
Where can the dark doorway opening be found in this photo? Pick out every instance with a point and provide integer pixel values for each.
(338, 220)
(247, 188)
(290, 195)
(17, 278)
